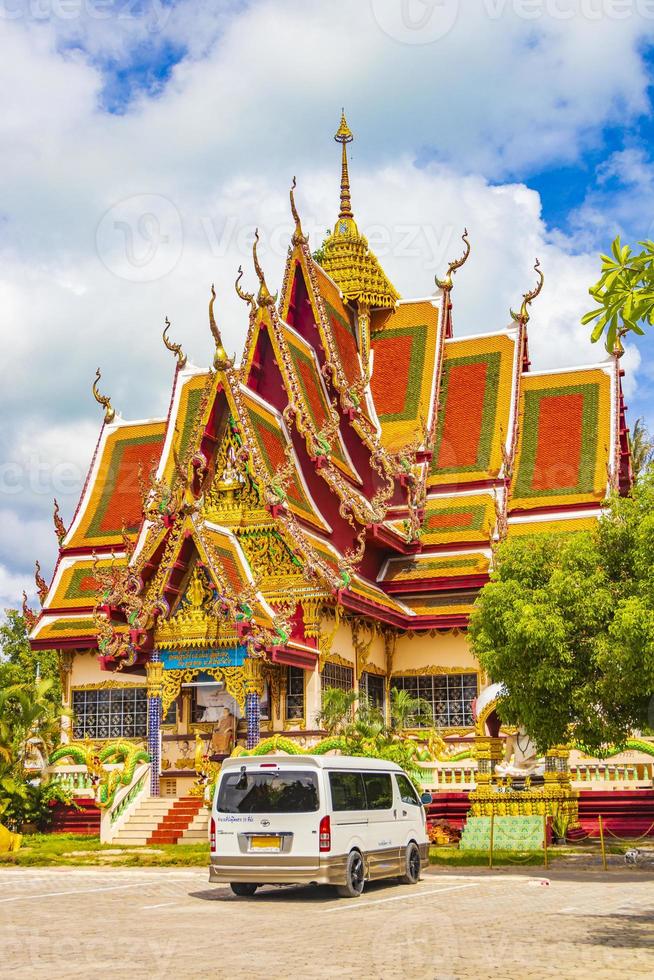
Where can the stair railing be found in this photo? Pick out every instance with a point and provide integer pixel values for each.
(124, 803)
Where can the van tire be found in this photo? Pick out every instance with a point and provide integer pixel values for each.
(244, 889)
(412, 864)
(354, 876)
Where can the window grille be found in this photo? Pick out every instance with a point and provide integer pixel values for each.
(110, 713)
(294, 693)
(450, 696)
(334, 675)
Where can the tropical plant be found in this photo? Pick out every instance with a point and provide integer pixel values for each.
(337, 708)
(624, 293)
(30, 722)
(19, 664)
(408, 711)
(30, 726)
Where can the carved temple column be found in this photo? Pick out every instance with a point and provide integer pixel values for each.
(253, 692)
(65, 670)
(154, 672)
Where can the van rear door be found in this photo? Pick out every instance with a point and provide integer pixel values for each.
(266, 809)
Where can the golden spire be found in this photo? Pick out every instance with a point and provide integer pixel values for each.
(529, 297)
(109, 411)
(220, 358)
(346, 256)
(264, 298)
(446, 283)
(174, 348)
(299, 238)
(344, 136)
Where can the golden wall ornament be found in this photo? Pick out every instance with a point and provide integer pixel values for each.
(154, 673)
(232, 677)
(107, 685)
(253, 675)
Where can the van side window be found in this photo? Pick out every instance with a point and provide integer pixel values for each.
(347, 791)
(407, 792)
(379, 790)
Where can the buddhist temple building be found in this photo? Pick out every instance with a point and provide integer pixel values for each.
(321, 514)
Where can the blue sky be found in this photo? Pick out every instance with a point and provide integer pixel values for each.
(142, 143)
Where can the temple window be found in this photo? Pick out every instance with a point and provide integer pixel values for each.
(110, 713)
(295, 693)
(371, 686)
(450, 696)
(334, 675)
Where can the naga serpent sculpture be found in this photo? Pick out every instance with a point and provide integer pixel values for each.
(106, 781)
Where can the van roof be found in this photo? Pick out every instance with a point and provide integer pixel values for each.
(311, 762)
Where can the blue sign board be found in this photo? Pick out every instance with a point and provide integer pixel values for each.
(202, 659)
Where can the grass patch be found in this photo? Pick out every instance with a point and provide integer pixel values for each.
(453, 857)
(50, 850)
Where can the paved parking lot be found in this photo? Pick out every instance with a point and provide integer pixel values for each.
(170, 923)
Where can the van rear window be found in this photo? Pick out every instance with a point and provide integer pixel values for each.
(268, 792)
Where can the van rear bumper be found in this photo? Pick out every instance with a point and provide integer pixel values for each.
(285, 869)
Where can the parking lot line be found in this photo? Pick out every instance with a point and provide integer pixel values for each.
(79, 891)
(399, 898)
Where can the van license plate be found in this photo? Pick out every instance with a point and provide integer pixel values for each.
(266, 842)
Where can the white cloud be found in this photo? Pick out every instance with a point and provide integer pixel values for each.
(257, 100)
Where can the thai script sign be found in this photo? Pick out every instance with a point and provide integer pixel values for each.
(202, 659)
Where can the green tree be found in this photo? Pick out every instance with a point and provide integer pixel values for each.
(641, 446)
(567, 623)
(19, 664)
(624, 294)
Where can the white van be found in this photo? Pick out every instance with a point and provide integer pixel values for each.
(328, 820)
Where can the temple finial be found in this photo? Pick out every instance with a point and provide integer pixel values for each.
(242, 294)
(264, 298)
(299, 238)
(60, 527)
(175, 349)
(529, 297)
(220, 358)
(446, 283)
(109, 411)
(41, 585)
(344, 136)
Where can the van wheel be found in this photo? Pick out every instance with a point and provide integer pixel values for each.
(354, 876)
(243, 888)
(412, 865)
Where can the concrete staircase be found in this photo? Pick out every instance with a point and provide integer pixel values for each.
(166, 820)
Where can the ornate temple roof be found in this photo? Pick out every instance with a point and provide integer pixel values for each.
(360, 456)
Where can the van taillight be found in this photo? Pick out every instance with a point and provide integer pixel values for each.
(325, 834)
(212, 834)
